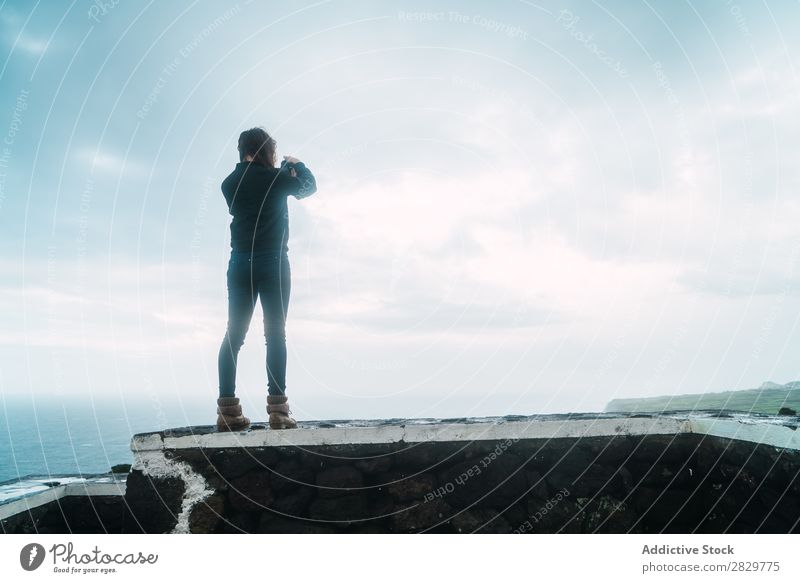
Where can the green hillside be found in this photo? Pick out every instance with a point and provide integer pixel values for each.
(768, 398)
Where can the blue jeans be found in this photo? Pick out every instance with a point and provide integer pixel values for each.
(250, 276)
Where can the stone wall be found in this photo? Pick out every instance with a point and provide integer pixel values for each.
(678, 483)
(71, 515)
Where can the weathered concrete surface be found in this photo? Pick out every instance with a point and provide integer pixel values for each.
(584, 473)
(64, 504)
(559, 473)
(773, 430)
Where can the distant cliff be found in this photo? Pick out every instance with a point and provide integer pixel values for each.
(769, 399)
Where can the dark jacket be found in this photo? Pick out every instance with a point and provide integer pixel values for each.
(257, 200)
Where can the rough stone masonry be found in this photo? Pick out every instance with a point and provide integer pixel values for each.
(610, 473)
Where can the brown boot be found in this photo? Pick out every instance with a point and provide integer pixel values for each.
(229, 415)
(278, 410)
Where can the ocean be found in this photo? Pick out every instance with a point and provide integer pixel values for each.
(52, 435)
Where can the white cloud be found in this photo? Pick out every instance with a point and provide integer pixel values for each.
(18, 40)
(767, 88)
(30, 45)
(115, 308)
(108, 162)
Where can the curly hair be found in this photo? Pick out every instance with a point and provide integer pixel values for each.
(256, 142)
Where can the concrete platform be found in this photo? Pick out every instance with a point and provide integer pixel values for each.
(765, 429)
(673, 472)
(401, 475)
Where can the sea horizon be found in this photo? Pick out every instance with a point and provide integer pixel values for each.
(49, 435)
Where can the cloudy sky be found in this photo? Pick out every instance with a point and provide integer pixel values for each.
(523, 206)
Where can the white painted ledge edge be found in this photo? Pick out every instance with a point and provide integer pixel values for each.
(776, 435)
(31, 501)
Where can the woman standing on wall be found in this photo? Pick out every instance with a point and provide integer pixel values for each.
(256, 193)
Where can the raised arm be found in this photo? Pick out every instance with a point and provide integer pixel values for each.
(297, 178)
